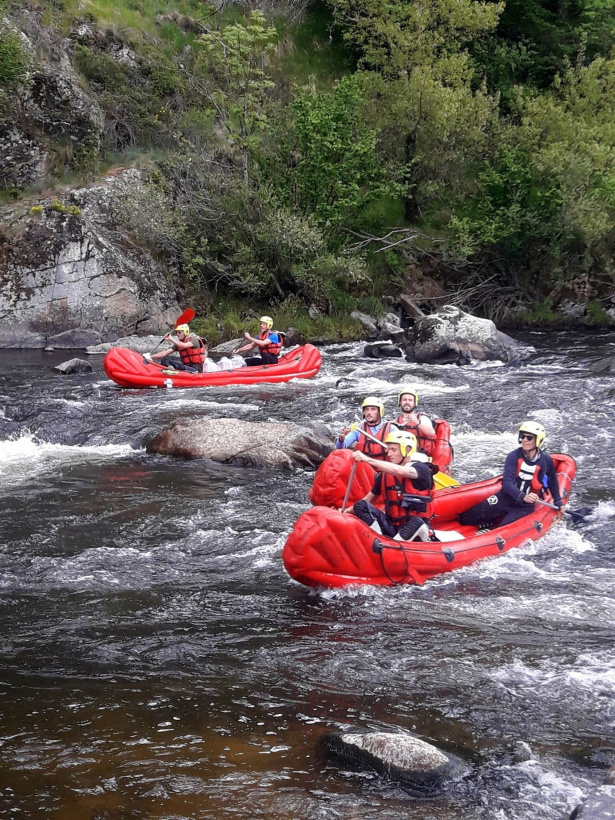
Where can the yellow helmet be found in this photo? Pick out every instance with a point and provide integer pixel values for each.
(267, 320)
(406, 441)
(534, 429)
(407, 389)
(374, 401)
(185, 329)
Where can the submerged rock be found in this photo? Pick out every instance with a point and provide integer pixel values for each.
(244, 442)
(453, 336)
(382, 350)
(73, 366)
(600, 803)
(417, 765)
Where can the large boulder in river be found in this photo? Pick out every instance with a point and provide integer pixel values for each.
(263, 444)
(142, 344)
(420, 767)
(453, 336)
(71, 277)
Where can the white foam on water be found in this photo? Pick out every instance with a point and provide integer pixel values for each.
(182, 404)
(26, 455)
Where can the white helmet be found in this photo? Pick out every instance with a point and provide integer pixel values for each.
(534, 429)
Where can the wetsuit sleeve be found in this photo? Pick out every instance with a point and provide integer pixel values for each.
(377, 485)
(551, 475)
(423, 481)
(349, 440)
(509, 482)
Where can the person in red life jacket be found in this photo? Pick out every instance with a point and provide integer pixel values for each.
(269, 342)
(414, 422)
(405, 483)
(529, 476)
(191, 348)
(374, 424)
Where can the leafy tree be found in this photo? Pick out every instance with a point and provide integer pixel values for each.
(238, 84)
(332, 165)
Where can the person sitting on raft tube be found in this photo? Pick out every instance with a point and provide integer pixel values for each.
(269, 342)
(192, 351)
(373, 423)
(529, 476)
(414, 422)
(406, 484)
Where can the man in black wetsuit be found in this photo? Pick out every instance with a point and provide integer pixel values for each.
(529, 476)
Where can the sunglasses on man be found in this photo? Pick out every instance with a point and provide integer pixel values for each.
(528, 436)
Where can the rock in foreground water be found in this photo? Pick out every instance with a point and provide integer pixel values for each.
(417, 765)
(453, 336)
(599, 804)
(244, 442)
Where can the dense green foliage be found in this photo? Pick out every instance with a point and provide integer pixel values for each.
(278, 156)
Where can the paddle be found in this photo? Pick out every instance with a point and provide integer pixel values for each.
(441, 480)
(186, 317)
(576, 515)
(349, 485)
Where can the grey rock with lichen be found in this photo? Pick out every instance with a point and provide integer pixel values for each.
(453, 336)
(415, 764)
(76, 279)
(262, 444)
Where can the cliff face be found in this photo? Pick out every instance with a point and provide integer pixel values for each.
(69, 277)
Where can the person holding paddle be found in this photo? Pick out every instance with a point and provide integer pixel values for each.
(269, 343)
(369, 436)
(191, 348)
(406, 486)
(529, 478)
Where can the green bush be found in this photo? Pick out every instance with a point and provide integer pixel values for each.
(13, 60)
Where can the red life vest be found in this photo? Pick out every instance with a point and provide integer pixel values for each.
(394, 488)
(273, 347)
(528, 477)
(369, 447)
(425, 443)
(194, 356)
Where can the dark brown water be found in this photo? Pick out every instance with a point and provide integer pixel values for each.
(157, 662)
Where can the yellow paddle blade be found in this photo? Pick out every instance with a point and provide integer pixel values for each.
(441, 480)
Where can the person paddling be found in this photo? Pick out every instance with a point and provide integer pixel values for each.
(191, 348)
(412, 421)
(406, 485)
(269, 343)
(373, 423)
(529, 477)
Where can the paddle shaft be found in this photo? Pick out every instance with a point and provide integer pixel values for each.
(450, 483)
(576, 515)
(349, 485)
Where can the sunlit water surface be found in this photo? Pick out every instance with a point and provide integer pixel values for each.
(157, 662)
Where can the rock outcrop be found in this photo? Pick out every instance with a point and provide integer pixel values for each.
(418, 766)
(453, 336)
(70, 278)
(142, 344)
(246, 443)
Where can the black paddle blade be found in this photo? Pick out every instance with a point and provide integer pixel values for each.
(579, 515)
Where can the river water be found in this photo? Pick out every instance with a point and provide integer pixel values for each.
(157, 662)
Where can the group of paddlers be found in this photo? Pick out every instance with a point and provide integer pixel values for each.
(399, 452)
(192, 348)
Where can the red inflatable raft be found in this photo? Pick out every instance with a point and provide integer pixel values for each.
(329, 549)
(130, 369)
(332, 476)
